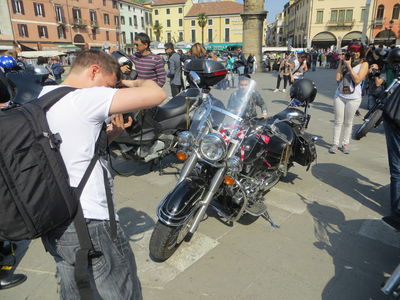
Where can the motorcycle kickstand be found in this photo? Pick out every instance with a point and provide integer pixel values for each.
(267, 217)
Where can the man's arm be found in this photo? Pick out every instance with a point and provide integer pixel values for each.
(140, 94)
(160, 72)
(172, 67)
(261, 103)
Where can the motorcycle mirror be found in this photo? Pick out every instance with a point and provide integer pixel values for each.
(195, 77)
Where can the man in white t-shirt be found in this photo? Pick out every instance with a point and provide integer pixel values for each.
(78, 118)
(299, 68)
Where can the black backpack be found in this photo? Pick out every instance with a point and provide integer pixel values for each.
(35, 193)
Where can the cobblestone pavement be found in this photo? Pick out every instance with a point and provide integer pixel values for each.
(331, 243)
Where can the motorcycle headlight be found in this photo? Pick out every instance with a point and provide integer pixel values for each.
(185, 139)
(213, 147)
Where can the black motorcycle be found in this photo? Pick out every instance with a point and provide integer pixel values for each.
(374, 116)
(231, 162)
(154, 132)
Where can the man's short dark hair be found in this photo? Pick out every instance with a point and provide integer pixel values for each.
(169, 45)
(143, 37)
(87, 58)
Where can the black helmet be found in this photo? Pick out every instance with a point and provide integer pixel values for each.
(394, 56)
(303, 90)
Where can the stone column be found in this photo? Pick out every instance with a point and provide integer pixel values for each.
(253, 18)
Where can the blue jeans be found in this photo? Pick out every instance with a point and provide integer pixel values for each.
(240, 70)
(393, 147)
(113, 275)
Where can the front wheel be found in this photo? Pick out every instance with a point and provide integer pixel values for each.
(166, 239)
(369, 124)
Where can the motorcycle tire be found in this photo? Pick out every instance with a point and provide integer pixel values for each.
(166, 239)
(368, 125)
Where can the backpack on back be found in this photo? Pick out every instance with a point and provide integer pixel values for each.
(35, 195)
(34, 186)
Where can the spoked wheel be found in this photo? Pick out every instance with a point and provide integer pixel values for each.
(166, 239)
(368, 125)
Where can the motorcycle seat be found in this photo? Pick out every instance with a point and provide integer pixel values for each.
(290, 112)
(176, 106)
(28, 86)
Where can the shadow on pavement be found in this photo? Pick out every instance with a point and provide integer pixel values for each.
(126, 167)
(134, 223)
(370, 194)
(360, 262)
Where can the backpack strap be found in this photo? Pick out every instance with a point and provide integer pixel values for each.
(86, 252)
(49, 99)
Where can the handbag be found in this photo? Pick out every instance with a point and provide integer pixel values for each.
(292, 73)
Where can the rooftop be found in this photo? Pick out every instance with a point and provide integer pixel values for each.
(215, 8)
(165, 2)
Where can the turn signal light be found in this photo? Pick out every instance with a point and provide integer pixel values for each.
(228, 180)
(180, 155)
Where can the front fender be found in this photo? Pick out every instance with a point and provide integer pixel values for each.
(181, 202)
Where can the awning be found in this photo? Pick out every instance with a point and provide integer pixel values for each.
(324, 37)
(356, 35)
(221, 46)
(35, 54)
(7, 45)
(28, 46)
(47, 46)
(67, 47)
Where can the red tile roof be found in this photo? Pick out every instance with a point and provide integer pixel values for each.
(216, 8)
(165, 2)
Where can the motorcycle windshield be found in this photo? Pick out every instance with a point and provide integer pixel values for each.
(214, 116)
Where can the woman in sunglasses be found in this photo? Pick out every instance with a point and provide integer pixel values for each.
(352, 70)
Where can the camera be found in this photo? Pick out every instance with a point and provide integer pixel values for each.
(349, 55)
(376, 72)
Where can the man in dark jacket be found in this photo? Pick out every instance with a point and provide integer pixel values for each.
(241, 62)
(174, 69)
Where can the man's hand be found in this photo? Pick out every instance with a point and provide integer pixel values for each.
(264, 116)
(125, 69)
(117, 125)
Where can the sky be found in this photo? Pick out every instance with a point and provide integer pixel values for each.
(274, 7)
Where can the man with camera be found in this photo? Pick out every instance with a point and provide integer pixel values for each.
(376, 84)
(95, 75)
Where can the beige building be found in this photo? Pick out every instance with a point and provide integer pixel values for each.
(224, 23)
(168, 16)
(324, 23)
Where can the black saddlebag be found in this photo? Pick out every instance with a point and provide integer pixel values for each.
(304, 151)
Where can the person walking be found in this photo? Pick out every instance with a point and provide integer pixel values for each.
(351, 71)
(94, 74)
(250, 63)
(283, 72)
(299, 67)
(149, 66)
(230, 66)
(241, 62)
(174, 69)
